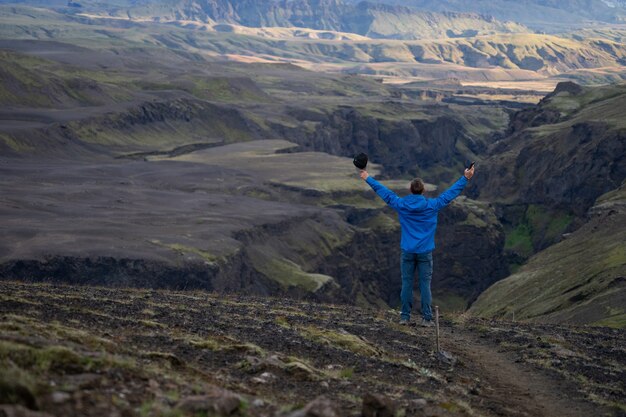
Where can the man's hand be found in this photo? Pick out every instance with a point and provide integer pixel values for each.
(469, 173)
(364, 174)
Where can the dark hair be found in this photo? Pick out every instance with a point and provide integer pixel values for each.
(417, 186)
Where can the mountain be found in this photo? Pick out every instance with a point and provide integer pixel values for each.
(598, 57)
(368, 19)
(388, 18)
(553, 16)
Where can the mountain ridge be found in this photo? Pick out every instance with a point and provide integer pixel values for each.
(365, 18)
(547, 16)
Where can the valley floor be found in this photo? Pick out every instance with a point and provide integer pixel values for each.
(89, 351)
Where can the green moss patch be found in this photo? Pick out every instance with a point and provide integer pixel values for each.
(519, 240)
(341, 339)
(288, 273)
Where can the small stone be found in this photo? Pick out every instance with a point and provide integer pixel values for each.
(301, 371)
(60, 397)
(83, 381)
(20, 411)
(257, 403)
(267, 375)
(264, 378)
(219, 401)
(325, 384)
(153, 384)
(446, 357)
(252, 364)
(416, 405)
(375, 405)
(319, 407)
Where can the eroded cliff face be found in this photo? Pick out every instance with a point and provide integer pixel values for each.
(469, 256)
(402, 146)
(564, 153)
(557, 159)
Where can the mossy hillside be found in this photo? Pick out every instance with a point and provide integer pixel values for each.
(616, 196)
(356, 199)
(32, 81)
(576, 280)
(235, 88)
(602, 105)
(228, 89)
(519, 240)
(604, 96)
(29, 80)
(538, 227)
(290, 257)
(168, 125)
(383, 221)
(185, 250)
(287, 273)
(16, 145)
(566, 282)
(480, 214)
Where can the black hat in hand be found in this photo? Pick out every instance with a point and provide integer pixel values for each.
(360, 161)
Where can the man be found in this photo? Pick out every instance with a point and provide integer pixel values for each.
(418, 222)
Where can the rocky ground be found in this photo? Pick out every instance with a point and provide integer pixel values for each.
(88, 351)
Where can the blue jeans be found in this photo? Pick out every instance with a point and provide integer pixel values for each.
(423, 262)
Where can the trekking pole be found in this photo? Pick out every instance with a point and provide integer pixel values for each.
(437, 326)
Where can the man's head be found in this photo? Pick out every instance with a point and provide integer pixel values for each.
(417, 186)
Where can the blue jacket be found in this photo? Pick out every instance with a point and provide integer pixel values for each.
(417, 214)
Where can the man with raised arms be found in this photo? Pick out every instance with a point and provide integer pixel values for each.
(418, 222)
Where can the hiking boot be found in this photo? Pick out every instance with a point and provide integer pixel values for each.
(404, 322)
(427, 323)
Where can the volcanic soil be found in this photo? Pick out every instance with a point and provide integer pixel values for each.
(90, 351)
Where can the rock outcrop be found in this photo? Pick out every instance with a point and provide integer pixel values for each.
(401, 146)
(559, 154)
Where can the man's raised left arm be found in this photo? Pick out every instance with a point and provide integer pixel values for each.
(383, 192)
(453, 192)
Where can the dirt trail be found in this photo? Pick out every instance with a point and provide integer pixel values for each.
(510, 387)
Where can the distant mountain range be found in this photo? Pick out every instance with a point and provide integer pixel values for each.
(364, 18)
(551, 16)
(396, 19)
